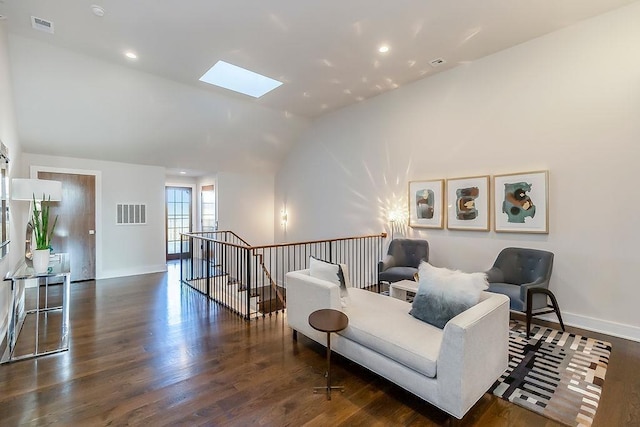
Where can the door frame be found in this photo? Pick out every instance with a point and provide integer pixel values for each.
(194, 202)
(33, 172)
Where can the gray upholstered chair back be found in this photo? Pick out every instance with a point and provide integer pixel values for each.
(521, 265)
(409, 252)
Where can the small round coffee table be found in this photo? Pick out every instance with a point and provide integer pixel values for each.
(328, 320)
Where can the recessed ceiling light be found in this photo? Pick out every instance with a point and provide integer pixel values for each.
(97, 10)
(131, 55)
(238, 79)
(183, 173)
(383, 49)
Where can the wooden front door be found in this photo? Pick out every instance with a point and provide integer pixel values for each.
(75, 230)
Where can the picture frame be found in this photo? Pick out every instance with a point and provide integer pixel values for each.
(426, 204)
(521, 202)
(468, 203)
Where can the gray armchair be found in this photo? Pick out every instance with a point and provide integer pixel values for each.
(402, 260)
(523, 275)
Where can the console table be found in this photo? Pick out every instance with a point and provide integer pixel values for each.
(58, 268)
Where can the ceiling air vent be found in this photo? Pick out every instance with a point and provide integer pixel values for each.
(42, 25)
(437, 62)
(127, 213)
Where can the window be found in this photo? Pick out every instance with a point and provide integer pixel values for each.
(208, 208)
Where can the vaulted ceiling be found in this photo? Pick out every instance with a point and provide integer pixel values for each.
(77, 95)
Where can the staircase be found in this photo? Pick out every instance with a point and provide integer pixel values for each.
(221, 287)
(249, 280)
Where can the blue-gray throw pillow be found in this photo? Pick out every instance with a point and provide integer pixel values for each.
(435, 310)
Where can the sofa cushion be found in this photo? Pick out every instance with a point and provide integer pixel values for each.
(384, 325)
(443, 293)
(395, 274)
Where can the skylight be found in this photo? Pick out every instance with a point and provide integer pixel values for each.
(238, 79)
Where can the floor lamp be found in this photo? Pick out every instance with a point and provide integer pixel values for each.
(28, 190)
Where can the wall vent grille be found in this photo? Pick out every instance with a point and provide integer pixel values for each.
(131, 213)
(42, 24)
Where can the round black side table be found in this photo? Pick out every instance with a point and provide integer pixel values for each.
(328, 320)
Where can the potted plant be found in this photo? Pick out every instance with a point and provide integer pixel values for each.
(42, 234)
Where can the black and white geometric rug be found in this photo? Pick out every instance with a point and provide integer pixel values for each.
(554, 373)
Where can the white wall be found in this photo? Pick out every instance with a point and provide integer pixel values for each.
(121, 250)
(9, 136)
(245, 206)
(568, 102)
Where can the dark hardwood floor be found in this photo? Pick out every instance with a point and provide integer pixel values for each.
(146, 351)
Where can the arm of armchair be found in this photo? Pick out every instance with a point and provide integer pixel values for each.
(386, 263)
(541, 282)
(495, 275)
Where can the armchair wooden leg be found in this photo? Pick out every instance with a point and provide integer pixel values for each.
(528, 313)
(554, 303)
(556, 308)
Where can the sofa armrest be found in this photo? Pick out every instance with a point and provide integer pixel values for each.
(306, 294)
(474, 353)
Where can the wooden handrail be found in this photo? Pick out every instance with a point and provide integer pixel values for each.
(279, 245)
(265, 266)
(272, 283)
(198, 234)
(310, 242)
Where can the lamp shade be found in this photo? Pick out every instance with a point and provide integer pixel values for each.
(26, 189)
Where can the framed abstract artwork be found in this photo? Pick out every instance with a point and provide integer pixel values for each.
(468, 201)
(426, 203)
(521, 202)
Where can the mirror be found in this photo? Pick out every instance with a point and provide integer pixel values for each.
(4, 200)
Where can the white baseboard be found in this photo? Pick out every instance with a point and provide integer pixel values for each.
(619, 330)
(134, 271)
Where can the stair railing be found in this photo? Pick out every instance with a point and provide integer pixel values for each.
(250, 280)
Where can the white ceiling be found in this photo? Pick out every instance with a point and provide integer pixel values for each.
(155, 111)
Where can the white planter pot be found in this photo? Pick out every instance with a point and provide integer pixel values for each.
(41, 260)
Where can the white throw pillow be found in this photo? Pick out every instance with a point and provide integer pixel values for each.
(443, 293)
(334, 273)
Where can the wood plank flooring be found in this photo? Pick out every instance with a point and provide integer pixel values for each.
(147, 351)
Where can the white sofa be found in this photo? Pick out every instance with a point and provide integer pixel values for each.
(450, 368)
